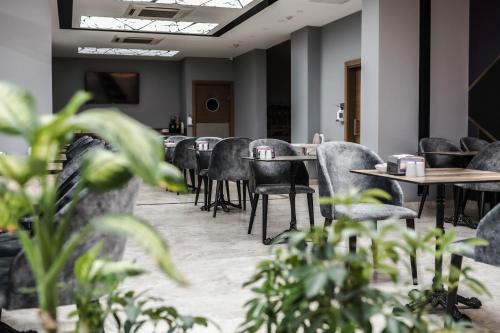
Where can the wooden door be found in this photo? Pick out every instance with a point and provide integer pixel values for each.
(213, 108)
(352, 124)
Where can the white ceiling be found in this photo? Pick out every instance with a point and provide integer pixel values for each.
(269, 27)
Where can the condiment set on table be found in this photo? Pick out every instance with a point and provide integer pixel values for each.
(202, 145)
(403, 165)
(263, 153)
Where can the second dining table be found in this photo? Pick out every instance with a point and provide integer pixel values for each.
(441, 177)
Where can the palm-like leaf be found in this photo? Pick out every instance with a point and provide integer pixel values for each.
(103, 170)
(17, 111)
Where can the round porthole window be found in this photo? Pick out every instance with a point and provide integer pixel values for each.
(212, 105)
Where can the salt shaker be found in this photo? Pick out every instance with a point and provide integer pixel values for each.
(420, 169)
(411, 169)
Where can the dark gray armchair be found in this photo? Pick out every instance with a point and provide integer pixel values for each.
(270, 178)
(335, 162)
(226, 165)
(202, 162)
(73, 147)
(169, 151)
(437, 161)
(488, 159)
(488, 230)
(184, 158)
(472, 144)
(15, 273)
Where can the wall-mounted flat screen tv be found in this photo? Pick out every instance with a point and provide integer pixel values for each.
(113, 88)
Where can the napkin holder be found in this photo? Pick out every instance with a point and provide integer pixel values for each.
(396, 164)
(261, 151)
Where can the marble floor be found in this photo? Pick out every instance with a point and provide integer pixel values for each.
(217, 256)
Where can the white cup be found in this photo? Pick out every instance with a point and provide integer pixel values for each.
(411, 169)
(269, 154)
(420, 169)
(262, 154)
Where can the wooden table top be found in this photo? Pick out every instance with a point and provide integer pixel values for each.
(201, 151)
(283, 158)
(440, 176)
(305, 145)
(451, 153)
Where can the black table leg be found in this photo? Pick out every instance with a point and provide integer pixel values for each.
(283, 237)
(437, 296)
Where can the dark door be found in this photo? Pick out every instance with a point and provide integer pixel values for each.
(353, 101)
(213, 108)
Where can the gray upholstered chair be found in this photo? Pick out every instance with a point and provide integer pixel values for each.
(76, 144)
(169, 151)
(226, 165)
(488, 159)
(15, 273)
(488, 230)
(271, 178)
(335, 162)
(202, 162)
(437, 161)
(472, 144)
(184, 158)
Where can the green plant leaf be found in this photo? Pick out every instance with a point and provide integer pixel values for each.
(17, 111)
(15, 168)
(142, 147)
(103, 170)
(171, 178)
(144, 234)
(106, 268)
(315, 283)
(84, 263)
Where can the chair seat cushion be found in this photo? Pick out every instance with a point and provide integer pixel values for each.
(461, 248)
(282, 189)
(203, 172)
(373, 212)
(481, 187)
(9, 248)
(9, 245)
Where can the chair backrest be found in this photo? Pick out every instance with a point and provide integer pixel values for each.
(89, 206)
(264, 173)
(203, 159)
(183, 157)
(439, 144)
(175, 138)
(489, 230)
(226, 161)
(80, 144)
(472, 144)
(335, 162)
(488, 159)
(73, 164)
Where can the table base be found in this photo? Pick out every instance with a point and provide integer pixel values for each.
(462, 221)
(438, 298)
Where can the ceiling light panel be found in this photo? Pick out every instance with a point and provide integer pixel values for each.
(201, 3)
(126, 52)
(161, 26)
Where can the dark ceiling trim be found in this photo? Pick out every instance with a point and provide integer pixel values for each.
(65, 12)
(424, 105)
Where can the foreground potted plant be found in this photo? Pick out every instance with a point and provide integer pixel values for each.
(137, 152)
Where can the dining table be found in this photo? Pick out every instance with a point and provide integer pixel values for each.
(294, 166)
(440, 177)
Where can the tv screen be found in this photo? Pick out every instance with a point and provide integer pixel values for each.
(113, 88)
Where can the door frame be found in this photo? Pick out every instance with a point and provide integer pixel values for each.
(231, 104)
(348, 103)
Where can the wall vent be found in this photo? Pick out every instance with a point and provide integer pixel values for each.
(136, 40)
(157, 12)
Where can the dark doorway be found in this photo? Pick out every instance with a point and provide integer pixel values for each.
(279, 92)
(213, 108)
(352, 117)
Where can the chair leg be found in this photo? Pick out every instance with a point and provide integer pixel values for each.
(422, 200)
(352, 244)
(244, 195)
(465, 198)
(265, 200)
(238, 186)
(328, 222)
(218, 189)
(249, 193)
(252, 215)
(293, 212)
(193, 179)
(227, 191)
(210, 190)
(311, 209)
(481, 204)
(456, 262)
(458, 192)
(410, 224)
(205, 190)
(198, 189)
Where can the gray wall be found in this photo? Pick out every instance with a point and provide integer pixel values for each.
(160, 94)
(340, 42)
(305, 56)
(250, 95)
(193, 69)
(449, 68)
(26, 55)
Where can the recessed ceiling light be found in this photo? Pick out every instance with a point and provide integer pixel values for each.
(201, 3)
(126, 52)
(129, 24)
